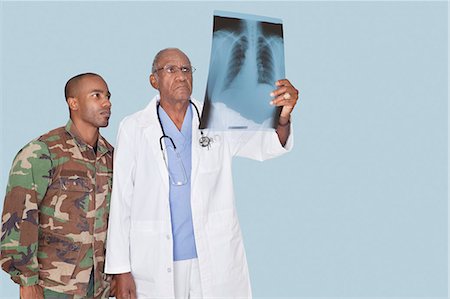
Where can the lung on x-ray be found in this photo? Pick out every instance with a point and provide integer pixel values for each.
(247, 57)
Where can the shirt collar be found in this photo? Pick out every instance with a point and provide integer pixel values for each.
(179, 137)
(102, 145)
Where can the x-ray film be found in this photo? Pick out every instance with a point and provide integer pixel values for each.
(247, 57)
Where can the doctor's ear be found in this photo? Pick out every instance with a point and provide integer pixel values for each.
(154, 81)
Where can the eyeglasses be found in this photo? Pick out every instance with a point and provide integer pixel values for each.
(172, 69)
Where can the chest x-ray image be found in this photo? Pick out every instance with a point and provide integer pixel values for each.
(247, 57)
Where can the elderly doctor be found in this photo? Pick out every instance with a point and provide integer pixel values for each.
(173, 227)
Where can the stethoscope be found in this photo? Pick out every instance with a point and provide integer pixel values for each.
(204, 140)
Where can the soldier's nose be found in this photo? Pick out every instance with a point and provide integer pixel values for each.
(107, 104)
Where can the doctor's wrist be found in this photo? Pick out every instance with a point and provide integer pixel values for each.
(284, 121)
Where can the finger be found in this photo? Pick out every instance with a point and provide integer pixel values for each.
(41, 292)
(282, 90)
(290, 88)
(123, 295)
(278, 91)
(282, 100)
(284, 103)
(112, 289)
(283, 82)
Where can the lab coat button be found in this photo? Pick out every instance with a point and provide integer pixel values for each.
(169, 270)
(168, 237)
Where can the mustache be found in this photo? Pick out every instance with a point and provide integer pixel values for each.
(183, 85)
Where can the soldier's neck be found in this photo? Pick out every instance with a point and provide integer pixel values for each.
(86, 132)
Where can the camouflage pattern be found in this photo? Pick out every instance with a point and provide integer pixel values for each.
(49, 294)
(55, 213)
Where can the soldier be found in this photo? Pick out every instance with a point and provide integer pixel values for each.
(56, 206)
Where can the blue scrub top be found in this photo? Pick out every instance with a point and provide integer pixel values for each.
(180, 196)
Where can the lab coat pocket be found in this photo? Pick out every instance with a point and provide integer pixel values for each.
(145, 241)
(225, 246)
(211, 157)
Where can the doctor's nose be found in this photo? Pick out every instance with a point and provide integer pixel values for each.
(181, 76)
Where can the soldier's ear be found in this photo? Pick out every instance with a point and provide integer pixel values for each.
(154, 81)
(73, 103)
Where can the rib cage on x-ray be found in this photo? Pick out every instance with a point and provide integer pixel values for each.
(247, 57)
(265, 62)
(237, 59)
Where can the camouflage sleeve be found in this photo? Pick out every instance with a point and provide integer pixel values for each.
(29, 178)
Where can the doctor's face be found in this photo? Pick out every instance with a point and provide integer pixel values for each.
(173, 77)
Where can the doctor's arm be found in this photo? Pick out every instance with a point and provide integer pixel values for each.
(117, 246)
(263, 144)
(285, 96)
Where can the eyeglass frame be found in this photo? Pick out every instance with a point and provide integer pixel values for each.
(177, 69)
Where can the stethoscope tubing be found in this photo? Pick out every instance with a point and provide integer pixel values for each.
(204, 140)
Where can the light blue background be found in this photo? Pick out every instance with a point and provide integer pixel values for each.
(358, 208)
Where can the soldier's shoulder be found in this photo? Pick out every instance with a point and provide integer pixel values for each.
(41, 143)
(53, 136)
(32, 150)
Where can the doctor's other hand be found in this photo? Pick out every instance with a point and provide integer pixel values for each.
(125, 286)
(286, 95)
(31, 292)
(112, 286)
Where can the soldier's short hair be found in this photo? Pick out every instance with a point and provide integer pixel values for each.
(71, 85)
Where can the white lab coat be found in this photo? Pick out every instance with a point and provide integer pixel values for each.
(139, 235)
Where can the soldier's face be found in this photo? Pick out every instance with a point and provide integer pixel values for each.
(173, 87)
(94, 102)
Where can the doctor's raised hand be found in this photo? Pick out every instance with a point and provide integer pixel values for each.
(286, 96)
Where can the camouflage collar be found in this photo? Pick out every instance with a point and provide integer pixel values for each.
(102, 145)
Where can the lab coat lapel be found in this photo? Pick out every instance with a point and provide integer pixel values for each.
(152, 134)
(196, 148)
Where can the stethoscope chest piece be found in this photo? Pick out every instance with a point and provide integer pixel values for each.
(205, 141)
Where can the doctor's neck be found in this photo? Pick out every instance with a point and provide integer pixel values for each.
(176, 110)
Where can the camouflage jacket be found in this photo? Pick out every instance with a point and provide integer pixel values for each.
(55, 213)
